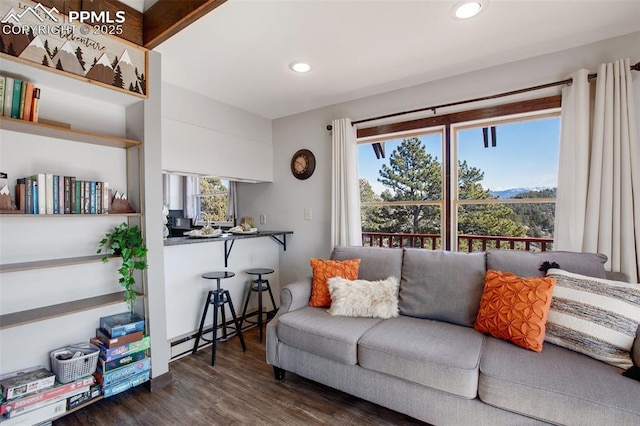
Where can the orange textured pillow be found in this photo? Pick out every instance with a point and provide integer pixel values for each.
(515, 308)
(325, 269)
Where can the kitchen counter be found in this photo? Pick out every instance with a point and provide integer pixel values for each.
(175, 241)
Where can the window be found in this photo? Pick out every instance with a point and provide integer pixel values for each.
(213, 196)
(401, 189)
(496, 188)
(506, 183)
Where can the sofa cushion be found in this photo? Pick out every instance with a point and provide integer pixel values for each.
(431, 353)
(593, 316)
(314, 330)
(325, 269)
(375, 263)
(515, 308)
(362, 298)
(527, 264)
(558, 385)
(442, 285)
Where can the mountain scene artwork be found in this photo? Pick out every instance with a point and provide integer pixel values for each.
(34, 33)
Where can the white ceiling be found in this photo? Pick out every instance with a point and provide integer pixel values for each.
(240, 52)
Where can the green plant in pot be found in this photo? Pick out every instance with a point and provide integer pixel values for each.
(127, 242)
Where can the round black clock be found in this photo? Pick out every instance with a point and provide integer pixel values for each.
(303, 164)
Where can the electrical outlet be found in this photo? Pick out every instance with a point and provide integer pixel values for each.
(263, 219)
(307, 213)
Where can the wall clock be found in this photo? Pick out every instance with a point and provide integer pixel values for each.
(303, 164)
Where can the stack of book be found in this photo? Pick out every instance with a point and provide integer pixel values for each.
(123, 361)
(32, 396)
(19, 99)
(46, 193)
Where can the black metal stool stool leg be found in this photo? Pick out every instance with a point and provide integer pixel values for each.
(216, 305)
(235, 321)
(259, 281)
(223, 299)
(273, 300)
(246, 304)
(204, 316)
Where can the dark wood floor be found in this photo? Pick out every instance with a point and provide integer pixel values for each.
(239, 390)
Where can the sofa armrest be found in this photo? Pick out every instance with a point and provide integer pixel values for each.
(617, 276)
(293, 296)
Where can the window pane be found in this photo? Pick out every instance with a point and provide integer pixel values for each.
(213, 198)
(393, 226)
(525, 157)
(410, 173)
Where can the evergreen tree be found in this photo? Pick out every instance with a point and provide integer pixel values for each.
(412, 175)
(46, 47)
(117, 78)
(80, 59)
(114, 63)
(95, 61)
(31, 35)
(370, 215)
(59, 65)
(45, 60)
(215, 206)
(54, 53)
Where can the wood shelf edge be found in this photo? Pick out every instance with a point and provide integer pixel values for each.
(16, 319)
(22, 214)
(83, 79)
(50, 263)
(47, 130)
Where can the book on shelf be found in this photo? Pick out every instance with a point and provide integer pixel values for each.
(28, 101)
(40, 199)
(92, 197)
(39, 415)
(112, 377)
(23, 98)
(109, 342)
(48, 197)
(124, 350)
(120, 324)
(15, 100)
(25, 382)
(67, 194)
(120, 362)
(99, 197)
(8, 96)
(86, 194)
(57, 392)
(79, 187)
(61, 194)
(35, 105)
(106, 198)
(72, 194)
(56, 194)
(127, 384)
(21, 195)
(2, 85)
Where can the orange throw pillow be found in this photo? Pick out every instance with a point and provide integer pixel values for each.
(514, 308)
(325, 269)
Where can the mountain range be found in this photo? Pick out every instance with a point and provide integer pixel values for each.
(512, 192)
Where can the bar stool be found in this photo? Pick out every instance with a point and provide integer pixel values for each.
(218, 298)
(258, 285)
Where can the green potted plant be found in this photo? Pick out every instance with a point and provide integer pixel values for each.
(126, 242)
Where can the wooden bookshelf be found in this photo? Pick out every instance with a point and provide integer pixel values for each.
(47, 130)
(61, 309)
(51, 263)
(17, 213)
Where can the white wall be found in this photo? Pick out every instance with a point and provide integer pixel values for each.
(203, 136)
(284, 200)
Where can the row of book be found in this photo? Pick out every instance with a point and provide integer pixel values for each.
(46, 193)
(34, 395)
(19, 99)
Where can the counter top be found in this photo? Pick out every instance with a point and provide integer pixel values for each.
(177, 241)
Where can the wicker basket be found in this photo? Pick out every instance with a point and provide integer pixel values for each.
(68, 370)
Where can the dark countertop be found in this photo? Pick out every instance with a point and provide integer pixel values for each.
(177, 241)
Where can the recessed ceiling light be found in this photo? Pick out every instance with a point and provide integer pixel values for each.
(467, 9)
(300, 67)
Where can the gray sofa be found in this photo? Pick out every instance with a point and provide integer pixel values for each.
(430, 363)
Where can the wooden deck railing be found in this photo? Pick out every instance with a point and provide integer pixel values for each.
(466, 242)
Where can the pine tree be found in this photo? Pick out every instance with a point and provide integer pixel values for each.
(59, 65)
(45, 60)
(46, 47)
(95, 61)
(117, 78)
(114, 63)
(143, 84)
(80, 59)
(213, 200)
(54, 52)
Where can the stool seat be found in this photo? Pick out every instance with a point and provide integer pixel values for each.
(218, 298)
(218, 275)
(259, 271)
(259, 285)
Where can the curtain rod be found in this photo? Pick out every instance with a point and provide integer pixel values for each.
(568, 81)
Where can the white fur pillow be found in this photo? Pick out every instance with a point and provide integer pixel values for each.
(362, 298)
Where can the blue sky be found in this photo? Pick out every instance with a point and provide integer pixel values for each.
(525, 156)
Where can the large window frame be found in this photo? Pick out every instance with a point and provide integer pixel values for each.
(449, 124)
